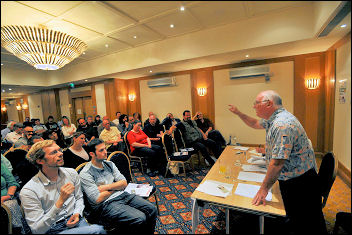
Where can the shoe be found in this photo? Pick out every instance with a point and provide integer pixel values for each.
(151, 174)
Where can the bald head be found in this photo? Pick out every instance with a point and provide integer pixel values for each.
(272, 96)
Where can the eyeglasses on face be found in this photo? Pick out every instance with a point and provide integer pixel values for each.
(259, 102)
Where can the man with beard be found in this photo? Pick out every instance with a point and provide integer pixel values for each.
(89, 130)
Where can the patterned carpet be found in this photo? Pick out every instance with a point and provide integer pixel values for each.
(176, 210)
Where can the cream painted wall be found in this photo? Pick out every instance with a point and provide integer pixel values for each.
(35, 106)
(12, 112)
(100, 98)
(342, 120)
(64, 103)
(242, 93)
(163, 100)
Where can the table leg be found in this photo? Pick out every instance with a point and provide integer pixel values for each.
(227, 219)
(261, 224)
(195, 215)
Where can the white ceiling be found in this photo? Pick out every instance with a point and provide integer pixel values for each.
(110, 27)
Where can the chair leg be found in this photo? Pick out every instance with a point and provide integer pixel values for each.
(167, 168)
(157, 204)
(184, 169)
(141, 163)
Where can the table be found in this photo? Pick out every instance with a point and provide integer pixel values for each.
(235, 202)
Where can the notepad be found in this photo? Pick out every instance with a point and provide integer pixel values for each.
(215, 188)
(249, 190)
(241, 148)
(259, 168)
(248, 176)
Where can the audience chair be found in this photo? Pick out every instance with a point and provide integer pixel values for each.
(6, 220)
(23, 170)
(327, 175)
(180, 143)
(171, 159)
(343, 220)
(122, 163)
(132, 158)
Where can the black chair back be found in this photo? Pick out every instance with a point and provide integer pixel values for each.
(127, 143)
(122, 163)
(168, 143)
(327, 175)
(179, 142)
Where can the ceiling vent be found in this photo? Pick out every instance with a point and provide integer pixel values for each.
(252, 71)
(341, 11)
(162, 82)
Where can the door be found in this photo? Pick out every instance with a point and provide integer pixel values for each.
(83, 107)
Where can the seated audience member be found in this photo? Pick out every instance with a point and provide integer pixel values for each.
(141, 146)
(154, 130)
(6, 162)
(9, 187)
(207, 128)
(51, 125)
(16, 134)
(169, 122)
(103, 184)
(76, 154)
(89, 130)
(60, 123)
(27, 122)
(147, 121)
(112, 138)
(130, 119)
(67, 130)
(24, 141)
(52, 135)
(39, 128)
(194, 138)
(101, 127)
(53, 200)
(8, 129)
(97, 120)
(116, 120)
(137, 116)
(35, 139)
(124, 126)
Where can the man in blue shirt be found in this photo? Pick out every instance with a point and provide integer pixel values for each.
(290, 160)
(104, 187)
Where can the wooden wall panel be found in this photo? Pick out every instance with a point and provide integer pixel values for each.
(25, 101)
(309, 105)
(4, 116)
(203, 78)
(94, 101)
(121, 95)
(133, 88)
(48, 105)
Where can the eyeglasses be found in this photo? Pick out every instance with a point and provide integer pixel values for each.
(258, 102)
(56, 152)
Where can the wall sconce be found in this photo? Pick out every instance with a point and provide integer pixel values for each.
(202, 91)
(19, 107)
(4, 108)
(312, 83)
(24, 106)
(131, 97)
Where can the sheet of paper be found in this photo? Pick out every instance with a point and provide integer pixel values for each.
(255, 153)
(253, 168)
(248, 176)
(215, 188)
(142, 190)
(257, 161)
(248, 190)
(241, 148)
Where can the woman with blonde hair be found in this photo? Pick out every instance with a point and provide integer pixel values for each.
(67, 130)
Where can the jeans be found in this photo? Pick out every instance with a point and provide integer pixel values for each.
(155, 156)
(129, 213)
(81, 228)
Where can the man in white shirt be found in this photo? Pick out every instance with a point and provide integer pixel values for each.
(13, 136)
(116, 121)
(52, 200)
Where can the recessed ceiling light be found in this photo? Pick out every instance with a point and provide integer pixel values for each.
(86, 80)
(247, 56)
(182, 8)
(3, 90)
(343, 26)
(150, 71)
(134, 36)
(2, 64)
(106, 45)
(10, 89)
(171, 25)
(83, 53)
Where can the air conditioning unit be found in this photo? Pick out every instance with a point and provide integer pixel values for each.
(252, 71)
(162, 82)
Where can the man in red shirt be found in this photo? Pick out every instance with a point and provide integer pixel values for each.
(141, 146)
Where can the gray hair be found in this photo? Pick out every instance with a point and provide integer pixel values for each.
(273, 96)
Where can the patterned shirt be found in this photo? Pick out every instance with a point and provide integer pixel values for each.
(110, 135)
(287, 139)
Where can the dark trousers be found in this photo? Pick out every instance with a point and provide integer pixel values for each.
(129, 213)
(217, 137)
(303, 202)
(119, 147)
(201, 145)
(156, 159)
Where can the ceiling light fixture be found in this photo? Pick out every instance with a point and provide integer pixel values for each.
(134, 36)
(343, 26)
(247, 56)
(171, 25)
(106, 45)
(40, 47)
(182, 8)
